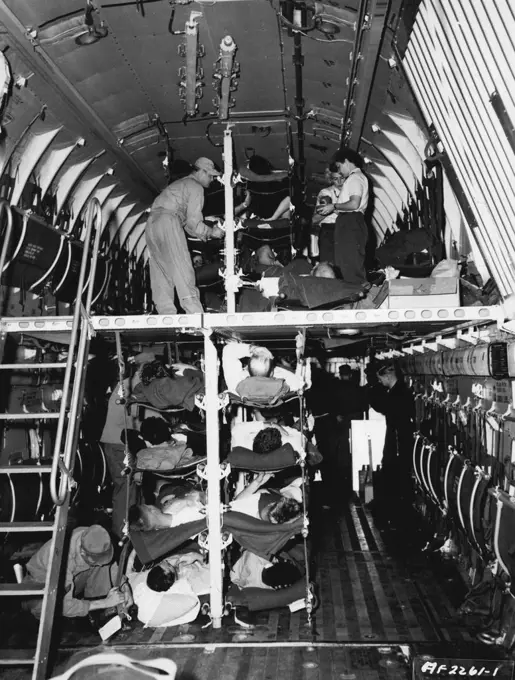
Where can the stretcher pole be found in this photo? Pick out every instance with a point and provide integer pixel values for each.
(214, 519)
(230, 253)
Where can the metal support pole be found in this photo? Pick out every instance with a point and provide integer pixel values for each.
(230, 254)
(214, 520)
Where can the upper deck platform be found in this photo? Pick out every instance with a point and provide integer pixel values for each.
(407, 323)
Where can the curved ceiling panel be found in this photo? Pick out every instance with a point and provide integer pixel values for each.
(137, 216)
(136, 236)
(412, 131)
(91, 178)
(71, 173)
(53, 159)
(401, 156)
(384, 194)
(390, 182)
(116, 221)
(111, 205)
(408, 151)
(27, 153)
(19, 115)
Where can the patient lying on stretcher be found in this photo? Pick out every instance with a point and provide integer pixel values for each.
(270, 505)
(188, 505)
(163, 452)
(171, 510)
(173, 387)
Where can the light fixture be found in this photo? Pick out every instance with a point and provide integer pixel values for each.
(375, 127)
(80, 142)
(348, 331)
(95, 29)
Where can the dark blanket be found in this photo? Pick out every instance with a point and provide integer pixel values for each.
(260, 599)
(165, 393)
(312, 291)
(242, 458)
(401, 245)
(262, 538)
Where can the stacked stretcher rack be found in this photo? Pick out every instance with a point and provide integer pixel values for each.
(255, 328)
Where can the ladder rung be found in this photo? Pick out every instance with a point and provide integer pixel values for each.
(24, 469)
(15, 367)
(29, 527)
(22, 589)
(28, 416)
(17, 657)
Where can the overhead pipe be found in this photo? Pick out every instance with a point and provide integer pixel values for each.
(352, 81)
(225, 72)
(298, 62)
(231, 278)
(190, 85)
(365, 56)
(4, 206)
(214, 518)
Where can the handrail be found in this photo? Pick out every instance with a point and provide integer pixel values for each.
(59, 496)
(5, 205)
(94, 216)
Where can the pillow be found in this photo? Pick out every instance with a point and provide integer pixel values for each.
(244, 459)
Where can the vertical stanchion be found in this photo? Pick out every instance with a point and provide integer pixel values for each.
(230, 255)
(214, 520)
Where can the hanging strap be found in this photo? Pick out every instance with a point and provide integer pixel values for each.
(299, 347)
(128, 459)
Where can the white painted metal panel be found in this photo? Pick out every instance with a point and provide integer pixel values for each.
(460, 55)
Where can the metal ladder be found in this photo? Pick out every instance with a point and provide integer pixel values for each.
(66, 440)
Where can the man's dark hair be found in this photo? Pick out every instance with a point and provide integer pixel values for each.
(285, 510)
(155, 430)
(346, 154)
(282, 574)
(152, 370)
(134, 517)
(267, 440)
(160, 580)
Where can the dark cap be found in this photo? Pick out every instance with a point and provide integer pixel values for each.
(97, 545)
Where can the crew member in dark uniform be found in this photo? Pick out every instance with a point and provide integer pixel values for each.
(392, 397)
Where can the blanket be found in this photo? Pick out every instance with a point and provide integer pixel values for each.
(179, 391)
(313, 292)
(262, 538)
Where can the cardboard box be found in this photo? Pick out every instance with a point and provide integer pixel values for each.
(430, 292)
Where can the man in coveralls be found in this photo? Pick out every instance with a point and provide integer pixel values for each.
(178, 209)
(350, 230)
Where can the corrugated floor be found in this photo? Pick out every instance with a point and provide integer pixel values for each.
(376, 588)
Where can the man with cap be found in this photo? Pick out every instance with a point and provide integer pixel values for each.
(178, 209)
(90, 573)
